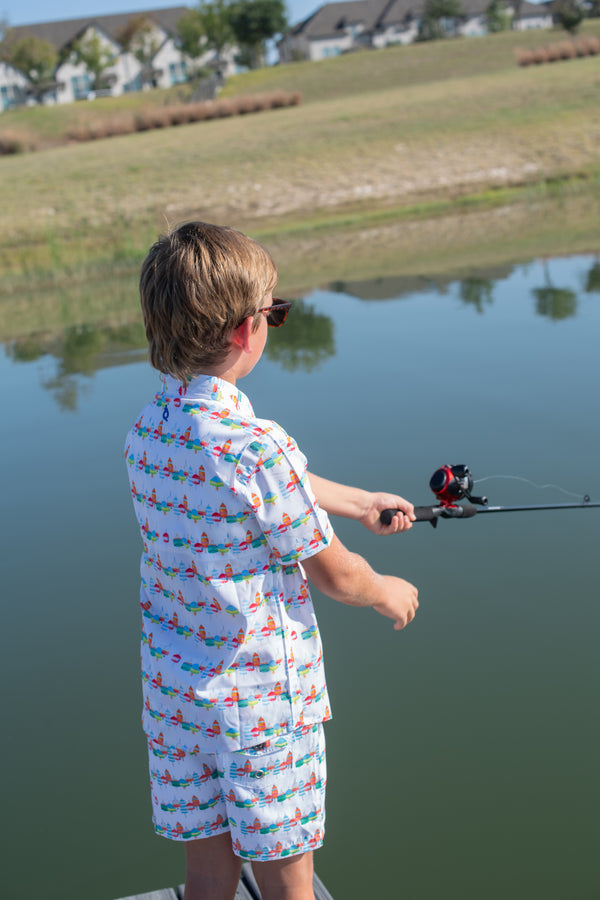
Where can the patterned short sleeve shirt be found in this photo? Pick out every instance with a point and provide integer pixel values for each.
(231, 652)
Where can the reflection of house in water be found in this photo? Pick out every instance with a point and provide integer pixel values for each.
(396, 287)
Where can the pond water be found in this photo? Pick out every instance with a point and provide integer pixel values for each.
(463, 753)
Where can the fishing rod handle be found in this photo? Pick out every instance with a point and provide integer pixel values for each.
(432, 513)
(422, 514)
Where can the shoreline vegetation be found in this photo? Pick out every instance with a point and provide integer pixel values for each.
(424, 159)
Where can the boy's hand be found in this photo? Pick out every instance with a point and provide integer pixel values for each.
(400, 603)
(348, 578)
(376, 503)
(364, 506)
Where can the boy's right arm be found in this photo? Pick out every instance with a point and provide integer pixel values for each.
(348, 578)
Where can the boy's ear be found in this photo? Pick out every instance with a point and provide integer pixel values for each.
(240, 336)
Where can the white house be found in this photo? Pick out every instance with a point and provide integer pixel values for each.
(348, 25)
(13, 87)
(166, 65)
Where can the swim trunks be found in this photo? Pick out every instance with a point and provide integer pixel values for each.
(271, 797)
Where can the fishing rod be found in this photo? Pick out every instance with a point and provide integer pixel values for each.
(453, 483)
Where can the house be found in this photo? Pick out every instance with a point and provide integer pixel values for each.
(163, 63)
(351, 24)
(13, 86)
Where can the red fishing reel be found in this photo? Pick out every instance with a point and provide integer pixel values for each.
(452, 483)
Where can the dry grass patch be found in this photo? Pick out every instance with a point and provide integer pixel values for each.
(151, 118)
(556, 52)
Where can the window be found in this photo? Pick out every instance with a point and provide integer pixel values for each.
(177, 72)
(81, 85)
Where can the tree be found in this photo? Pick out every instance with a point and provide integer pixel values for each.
(555, 303)
(206, 28)
(305, 346)
(253, 23)
(592, 283)
(96, 56)
(593, 9)
(139, 37)
(35, 58)
(439, 19)
(568, 14)
(476, 291)
(497, 17)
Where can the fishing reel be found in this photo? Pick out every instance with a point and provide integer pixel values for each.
(452, 483)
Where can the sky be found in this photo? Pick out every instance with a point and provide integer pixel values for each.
(26, 12)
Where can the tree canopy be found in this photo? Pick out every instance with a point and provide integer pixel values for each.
(205, 28)
(568, 14)
(497, 17)
(437, 16)
(35, 58)
(95, 54)
(253, 23)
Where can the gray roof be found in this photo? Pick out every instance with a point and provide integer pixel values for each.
(330, 19)
(374, 15)
(62, 33)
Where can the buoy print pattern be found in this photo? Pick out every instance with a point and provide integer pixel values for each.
(231, 652)
(271, 797)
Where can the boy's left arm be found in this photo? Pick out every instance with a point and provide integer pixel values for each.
(364, 506)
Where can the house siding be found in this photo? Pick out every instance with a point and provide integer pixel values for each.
(344, 26)
(169, 66)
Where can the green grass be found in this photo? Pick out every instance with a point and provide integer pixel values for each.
(384, 137)
(422, 63)
(344, 76)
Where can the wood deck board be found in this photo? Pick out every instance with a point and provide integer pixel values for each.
(247, 889)
(165, 894)
(321, 892)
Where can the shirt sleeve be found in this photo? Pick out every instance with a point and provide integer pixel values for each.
(272, 476)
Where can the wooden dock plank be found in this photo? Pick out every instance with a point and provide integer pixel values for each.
(165, 894)
(321, 892)
(247, 889)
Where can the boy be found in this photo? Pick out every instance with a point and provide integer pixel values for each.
(234, 689)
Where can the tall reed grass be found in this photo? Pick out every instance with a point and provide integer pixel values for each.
(558, 51)
(149, 118)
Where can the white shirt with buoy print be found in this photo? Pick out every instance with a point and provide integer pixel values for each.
(231, 652)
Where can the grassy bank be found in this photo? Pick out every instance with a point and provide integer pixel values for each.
(393, 154)
(330, 79)
(446, 241)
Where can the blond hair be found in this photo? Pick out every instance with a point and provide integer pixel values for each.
(197, 284)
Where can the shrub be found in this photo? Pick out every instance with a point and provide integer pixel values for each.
(539, 55)
(566, 50)
(79, 132)
(160, 117)
(224, 108)
(524, 57)
(12, 142)
(590, 46)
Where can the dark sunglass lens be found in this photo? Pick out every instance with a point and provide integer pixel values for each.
(278, 313)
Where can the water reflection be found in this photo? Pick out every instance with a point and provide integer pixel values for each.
(592, 281)
(305, 343)
(82, 350)
(554, 302)
(475, 289)
(489, 694)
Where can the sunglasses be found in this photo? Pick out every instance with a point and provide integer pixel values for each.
(276, 314)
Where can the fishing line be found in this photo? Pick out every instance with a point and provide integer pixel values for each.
(450, 484)
(534, 484)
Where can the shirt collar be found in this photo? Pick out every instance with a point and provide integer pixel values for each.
(209, 387)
